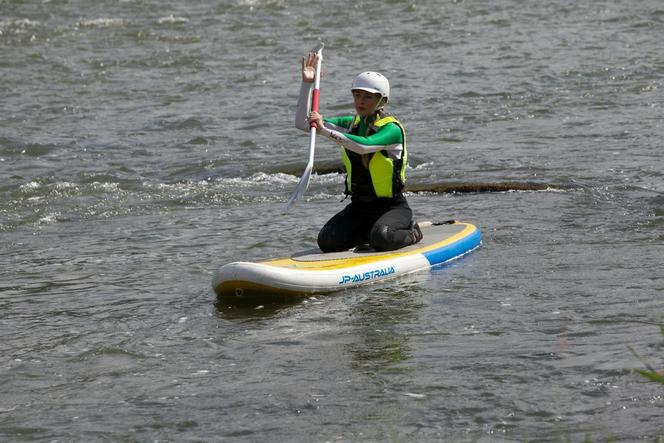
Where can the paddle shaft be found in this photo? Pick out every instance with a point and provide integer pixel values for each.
(315, 97)
(303, 184)
(315, 103)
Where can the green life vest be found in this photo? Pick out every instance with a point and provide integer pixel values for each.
(374, 175)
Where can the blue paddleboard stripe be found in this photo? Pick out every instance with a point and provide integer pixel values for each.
(457, 248)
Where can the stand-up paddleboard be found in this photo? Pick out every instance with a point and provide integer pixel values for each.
(312, 271)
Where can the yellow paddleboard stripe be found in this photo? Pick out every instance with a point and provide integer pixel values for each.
(350, 262)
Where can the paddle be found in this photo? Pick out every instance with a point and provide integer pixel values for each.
(303, 184)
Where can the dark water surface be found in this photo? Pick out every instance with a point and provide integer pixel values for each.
(143, 144)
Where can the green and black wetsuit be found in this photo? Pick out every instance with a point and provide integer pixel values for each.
(374, 155)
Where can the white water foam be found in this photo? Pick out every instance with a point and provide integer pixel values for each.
(102, 22)
(172, 20)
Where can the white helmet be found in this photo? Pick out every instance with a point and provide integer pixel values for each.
(373, 82)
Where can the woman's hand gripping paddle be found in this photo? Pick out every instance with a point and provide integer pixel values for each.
(303, 184)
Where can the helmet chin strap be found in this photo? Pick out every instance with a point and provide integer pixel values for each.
(381, 103)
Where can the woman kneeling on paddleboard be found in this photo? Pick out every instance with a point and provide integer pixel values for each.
(374, 156)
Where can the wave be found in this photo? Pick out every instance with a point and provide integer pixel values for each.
(42, 201)
(172, 20)
(101, 23)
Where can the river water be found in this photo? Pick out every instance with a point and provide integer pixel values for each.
(145, 143)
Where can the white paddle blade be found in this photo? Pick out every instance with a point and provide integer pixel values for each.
(302, 186)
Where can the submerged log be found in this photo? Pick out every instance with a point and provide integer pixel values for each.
(322, 167)
(467, 187)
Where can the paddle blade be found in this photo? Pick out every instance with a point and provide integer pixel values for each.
(302, 186)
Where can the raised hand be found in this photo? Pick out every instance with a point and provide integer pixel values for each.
(309, 62)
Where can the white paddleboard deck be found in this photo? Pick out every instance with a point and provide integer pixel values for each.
(313, 271)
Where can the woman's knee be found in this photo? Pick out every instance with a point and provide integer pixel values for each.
(326, 240)
(331, 239)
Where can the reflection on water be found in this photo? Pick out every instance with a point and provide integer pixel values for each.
(255, 308)
(378, 322)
